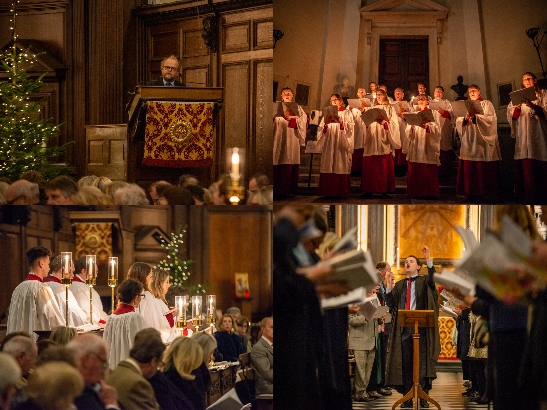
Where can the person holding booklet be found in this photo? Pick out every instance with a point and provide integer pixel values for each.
(378, 175)
(401, 106)
(421, 146)
(442, 111)
(412, 293)
(361, 131)
(528, 122)
(335, 139)
(362, 335)
(480, 151)
(289, 134)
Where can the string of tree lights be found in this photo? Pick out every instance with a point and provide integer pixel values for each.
(25, 137)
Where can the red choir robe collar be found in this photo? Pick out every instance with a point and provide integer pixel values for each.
(123, 308)
(32, 276)
(425, 109)
(480, 99)
(341, 108)
(76, 278)
(52, 279)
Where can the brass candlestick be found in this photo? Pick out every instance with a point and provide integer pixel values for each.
(66, 266)
(91, 280)
(67, 282)
(112, 275)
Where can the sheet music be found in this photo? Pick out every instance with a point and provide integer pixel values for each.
(373, 114)
(418, 118)
(359, 103)
(518, 95)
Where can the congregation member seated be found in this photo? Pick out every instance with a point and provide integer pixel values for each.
(52, 386)
(11, 374)
(243, 332)
(208, 343)
(130, 377)
(24, 351)
(61, 335)
(61, 191)
(184, 356)
(229, 344)
(262, 359)
(92, 356)
(125, 322)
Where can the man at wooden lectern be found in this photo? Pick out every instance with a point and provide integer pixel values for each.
(169, 73)
(422, 296)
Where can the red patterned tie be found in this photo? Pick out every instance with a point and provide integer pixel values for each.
(408, 291)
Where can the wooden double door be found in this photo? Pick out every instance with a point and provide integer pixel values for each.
(404, 63)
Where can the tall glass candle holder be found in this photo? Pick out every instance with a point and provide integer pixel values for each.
(235, 160)
(211, 301)
(66, 266)
(112, 275)
(181, 305)
(197, 308)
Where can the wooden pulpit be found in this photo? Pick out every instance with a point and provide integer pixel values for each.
(143, 170)
(416, 319)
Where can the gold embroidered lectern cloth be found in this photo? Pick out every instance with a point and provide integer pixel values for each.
(178, 135)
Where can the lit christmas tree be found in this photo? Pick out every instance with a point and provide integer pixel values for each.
(23, 134)
(178, 267)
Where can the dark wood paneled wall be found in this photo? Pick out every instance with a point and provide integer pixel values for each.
(221, 241)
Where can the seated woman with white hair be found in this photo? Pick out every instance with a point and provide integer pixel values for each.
(125, 322)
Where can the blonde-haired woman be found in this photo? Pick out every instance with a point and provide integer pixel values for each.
(182, 359)
(63, 334)
(154, 313)
(208, 343)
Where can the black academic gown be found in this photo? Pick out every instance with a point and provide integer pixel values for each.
(430, 345)
(299, 327)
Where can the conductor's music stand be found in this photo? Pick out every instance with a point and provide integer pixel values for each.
(416, 318)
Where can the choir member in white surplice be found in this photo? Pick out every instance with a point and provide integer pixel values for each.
(479, 151)
(76, 316)
(335, 139)
(359, 134)
(445, 121)
(125, 322)
(159, 286)
(289, 135)
(400, 158)
(33, 306)
(152, 309)
(81, 292)
(422, 146)
(378, 175)
(529, 128)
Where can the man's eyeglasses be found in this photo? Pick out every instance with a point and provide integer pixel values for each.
(156, 199)
(142, 295)
(166, 67)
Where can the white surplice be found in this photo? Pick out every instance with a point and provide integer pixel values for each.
(359, 129)
(33, 307)
(446, 125)
(422, 147)
(480, 140)
(119, 334)
(380, 141)
(76, 316)
(153, 310)
(81, 293)
(287, 141)
(530, 131)
(336, 144)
